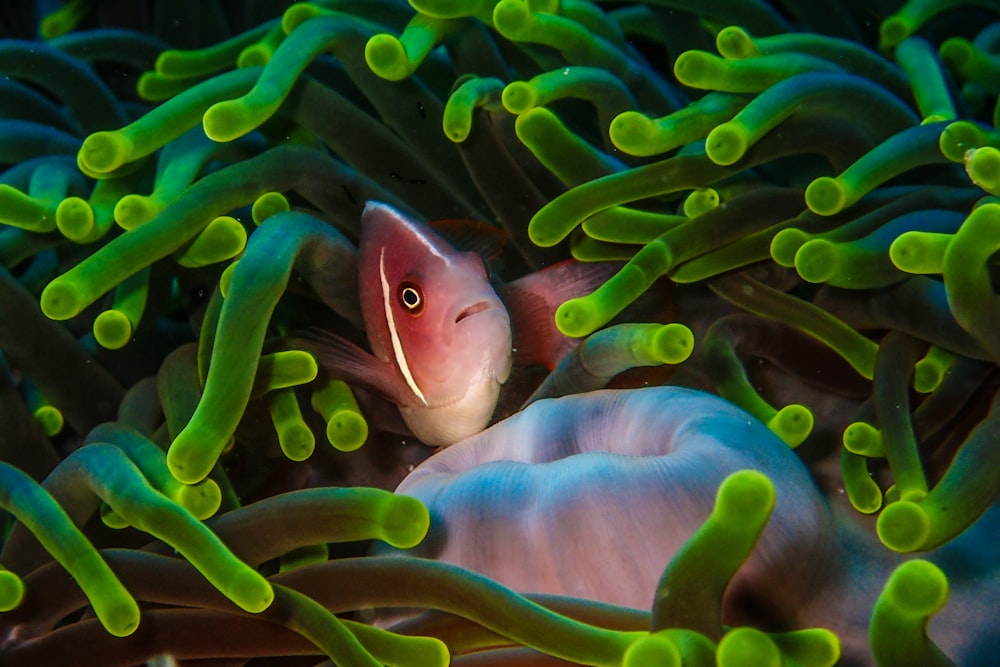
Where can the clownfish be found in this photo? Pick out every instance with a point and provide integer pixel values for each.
(441, 337)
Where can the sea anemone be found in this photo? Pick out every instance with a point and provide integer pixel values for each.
(800, 202)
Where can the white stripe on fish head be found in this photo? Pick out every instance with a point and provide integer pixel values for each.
(397, 345)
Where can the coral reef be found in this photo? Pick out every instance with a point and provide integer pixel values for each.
(800, 205)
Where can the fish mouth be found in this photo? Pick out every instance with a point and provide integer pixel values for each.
(473, 309)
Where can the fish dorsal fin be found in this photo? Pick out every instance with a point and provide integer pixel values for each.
(482, 238)
(343, 360)
(532, 302)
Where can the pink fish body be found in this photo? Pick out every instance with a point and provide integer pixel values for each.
(441, 338)
(432, 316)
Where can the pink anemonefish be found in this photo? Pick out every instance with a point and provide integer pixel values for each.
(442, 340)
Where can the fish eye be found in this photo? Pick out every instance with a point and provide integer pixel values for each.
(411, 298)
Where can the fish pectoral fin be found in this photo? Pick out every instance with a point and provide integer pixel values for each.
(532, 302)
(532, 322)
(341, 359)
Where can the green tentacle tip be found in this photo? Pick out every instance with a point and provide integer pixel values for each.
(518, 97)
(673, 343)
(697, 68)
(404, 521)
(513, 19)
(469, 93)
(785, 245)
(930, 371)
(280, 370)
(863, 439)
(653, 649)
(118, 615)
(103, 152)
(915, 591)
(920, 252)
(133, 210)
(193, 453)
(957, 53)
(578, 317)
(866, 497)
(916, 588)
(631, 131)
(983, 167)
(62, 299)
(547, 227)
(249, 590)
(727, 143)
(792, 423)
(152, 87)
(583, 315)
(295, 438)
(743, 647)
(826, 196)
(904, 526)
(202, 499)
(386, 57)
(229, 120)
(893, 31)
(20, 210)
(255, 55)
(112, 519)
(223, 238)
(50, 418)
(179, 64)
(75, 219)
(346, 428)
(450, 9)
(816, 261)
(745, 498)
(960, 136)
(734, 42)
(11, 590)
(112, 329)
(701, 201)
(864, 494)
(298, 14)
(812, 647)
(226, 279)
(64, 19)
(267, 205)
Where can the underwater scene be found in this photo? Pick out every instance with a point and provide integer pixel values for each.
(499, 332)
